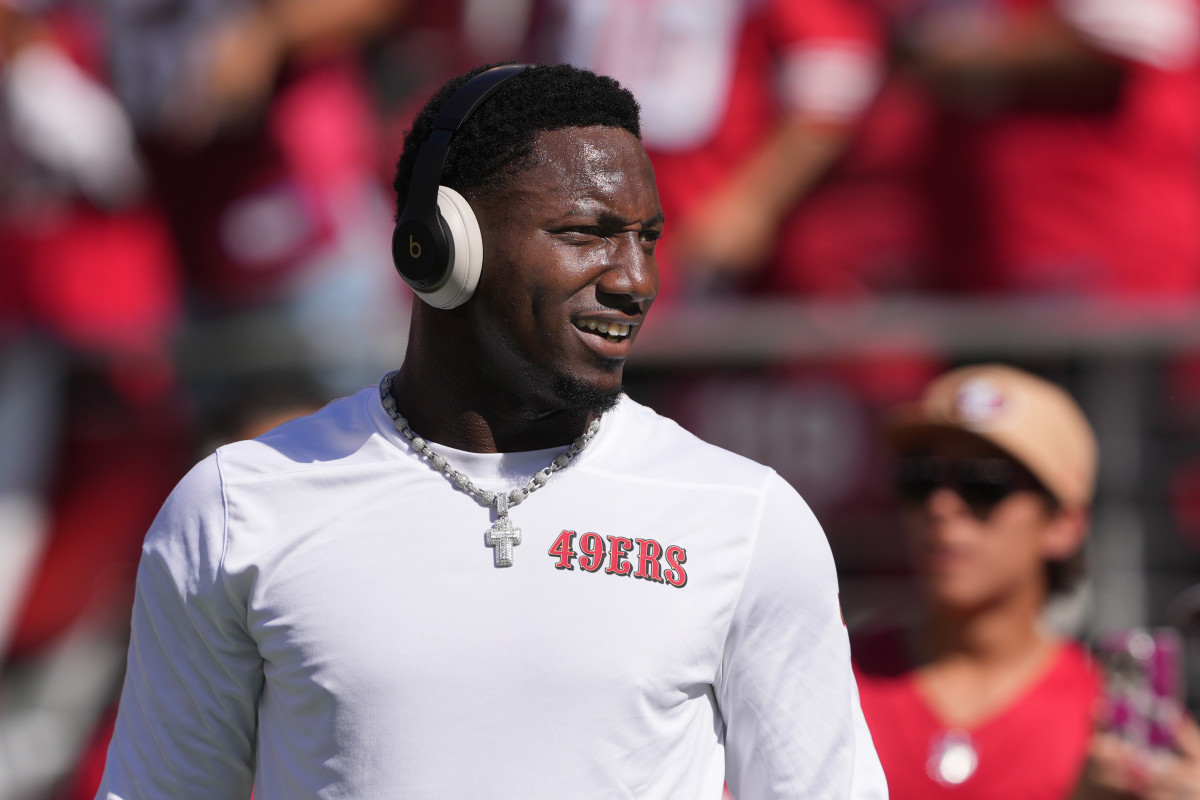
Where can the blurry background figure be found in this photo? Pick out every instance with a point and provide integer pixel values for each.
(234, 139)
(247, 408)
(1067, 142)
(91, 421)
(978, 698)
(1064, 156)
(752, 114)
(257, 123)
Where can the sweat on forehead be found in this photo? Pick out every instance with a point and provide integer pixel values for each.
(569, 156)
(589, 154)
(578, 173)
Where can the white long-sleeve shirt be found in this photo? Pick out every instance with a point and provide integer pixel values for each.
(317, 616)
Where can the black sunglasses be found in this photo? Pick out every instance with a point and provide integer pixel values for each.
(981, 482)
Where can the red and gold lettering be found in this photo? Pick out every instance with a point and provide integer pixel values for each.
(592, 546)
(649, 551)
(563, 550)
(619, 547)
(675, 575)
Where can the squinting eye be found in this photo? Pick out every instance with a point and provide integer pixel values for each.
(578, 235)
(649, 240)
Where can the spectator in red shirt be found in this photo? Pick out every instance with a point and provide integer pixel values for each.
(978, 699)
(1068, 142)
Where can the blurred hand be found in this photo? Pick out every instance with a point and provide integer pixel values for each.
(1176, 776)
(236, 63)
(245, 53)
(1117, 769)
(734, 230)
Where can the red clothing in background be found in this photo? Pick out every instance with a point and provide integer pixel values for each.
(249, 212)
(1095, 196)
(1034, 749)
(98, 281)
(865, 228)
(714, 78)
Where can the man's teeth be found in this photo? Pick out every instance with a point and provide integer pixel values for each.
(614, 330)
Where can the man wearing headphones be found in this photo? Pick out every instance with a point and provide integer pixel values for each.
(494, 575)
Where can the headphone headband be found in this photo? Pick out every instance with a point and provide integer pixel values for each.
(470, 96)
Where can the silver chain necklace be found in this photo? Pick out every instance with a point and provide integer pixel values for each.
(503, 535)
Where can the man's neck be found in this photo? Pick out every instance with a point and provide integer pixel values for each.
(481, 420)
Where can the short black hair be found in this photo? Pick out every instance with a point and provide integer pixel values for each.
(496, 142)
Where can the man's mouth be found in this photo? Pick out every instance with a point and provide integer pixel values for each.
(613, 331)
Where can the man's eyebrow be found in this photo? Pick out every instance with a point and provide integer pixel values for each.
(605, 217)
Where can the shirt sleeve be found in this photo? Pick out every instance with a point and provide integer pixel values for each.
(186, 725)
(831, 62)
(793, 724)
(1158, 33)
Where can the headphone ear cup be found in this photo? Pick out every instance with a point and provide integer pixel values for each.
(462, 274)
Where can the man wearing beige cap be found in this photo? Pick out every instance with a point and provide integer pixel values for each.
(977, 699)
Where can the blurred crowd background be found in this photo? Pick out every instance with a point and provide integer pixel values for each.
(195, 215)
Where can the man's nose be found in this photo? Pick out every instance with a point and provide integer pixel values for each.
(632, 272)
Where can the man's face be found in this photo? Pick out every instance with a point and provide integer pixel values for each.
(569, 270)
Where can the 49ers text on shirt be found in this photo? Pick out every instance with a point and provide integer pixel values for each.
(621, 553)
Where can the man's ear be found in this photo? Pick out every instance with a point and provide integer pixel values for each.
(1065, 534)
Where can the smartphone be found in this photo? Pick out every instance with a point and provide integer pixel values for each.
(1144, 685)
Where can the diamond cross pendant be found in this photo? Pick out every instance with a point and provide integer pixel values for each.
(503, 535)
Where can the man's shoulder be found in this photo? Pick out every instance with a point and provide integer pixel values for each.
(660, 444)
(342, 432)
